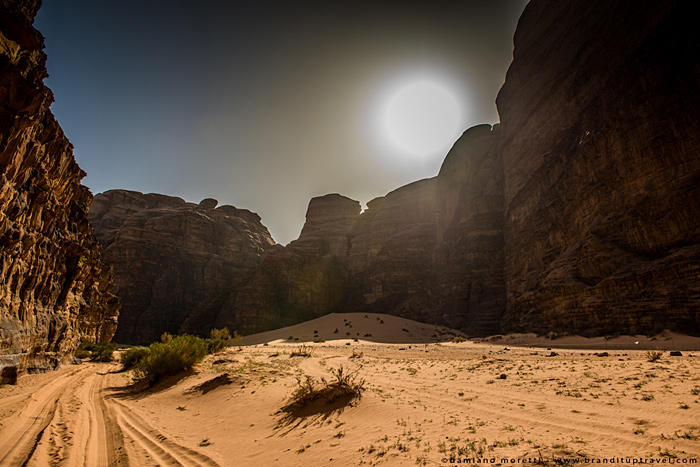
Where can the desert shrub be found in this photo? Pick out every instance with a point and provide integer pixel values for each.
(654, 355)
(131, 357)
(302, 351)
(80, 352)
(171, 356)
(458, 339)
(221, 338)
(97, 352)
(346, 385)
(220, 334)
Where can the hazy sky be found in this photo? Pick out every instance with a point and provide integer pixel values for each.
(266, 104)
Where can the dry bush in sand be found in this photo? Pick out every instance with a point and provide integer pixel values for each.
(302, 351)
(345, 386)
(654, 355)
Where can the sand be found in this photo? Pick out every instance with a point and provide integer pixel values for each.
(506, 400)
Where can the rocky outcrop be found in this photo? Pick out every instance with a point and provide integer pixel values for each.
(431, 250)
(175, 263)
(469, 234)
(600, 143)
(54, 290)
(580, 212)
(304, 280)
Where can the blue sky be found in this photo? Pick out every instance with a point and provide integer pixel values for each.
(262, 104)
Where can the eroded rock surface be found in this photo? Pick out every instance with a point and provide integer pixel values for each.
(54, 290)
(600, 142)
(175, 263)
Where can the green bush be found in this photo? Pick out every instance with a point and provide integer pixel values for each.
(133, 356)
(170, 357)
(220, 334)
(214, 345)
(97, 352)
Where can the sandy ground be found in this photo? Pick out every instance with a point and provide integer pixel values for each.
(506, 400)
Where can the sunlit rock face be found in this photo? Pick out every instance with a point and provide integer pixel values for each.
(54, 290)
(600, 142)
(175, 263)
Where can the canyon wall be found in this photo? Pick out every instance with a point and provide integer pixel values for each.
(54, 289)
(600, 141)
(175, 263)
(579, 212)
(431, 250)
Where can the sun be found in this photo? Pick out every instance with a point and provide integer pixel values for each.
(422, 117)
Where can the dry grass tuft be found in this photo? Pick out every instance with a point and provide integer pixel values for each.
(654, 355)
(345, 386)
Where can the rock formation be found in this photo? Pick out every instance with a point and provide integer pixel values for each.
(431, 250)
(54, 290)
(580, 212)
(600, 142)
(175, 263)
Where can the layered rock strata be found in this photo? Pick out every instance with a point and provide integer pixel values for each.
(175, 263)
(600, 142)
(54, 290)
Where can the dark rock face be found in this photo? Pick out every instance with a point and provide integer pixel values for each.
(469, 235)
(431, 250)
(54, 290)
(175, 263)
(580, 212)
(600, 142)
(304, 280)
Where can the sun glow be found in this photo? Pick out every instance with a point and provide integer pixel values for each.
(422, 117)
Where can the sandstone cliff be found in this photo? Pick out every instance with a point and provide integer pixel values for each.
(580, 212)
(54, 290)
(600, 143)
(431, 250)
(175, 263)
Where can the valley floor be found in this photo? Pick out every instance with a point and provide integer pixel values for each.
(423, 404)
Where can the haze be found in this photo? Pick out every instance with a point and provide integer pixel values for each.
(264, 105)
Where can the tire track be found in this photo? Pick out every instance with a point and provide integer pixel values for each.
(23, 431)
(157, 445)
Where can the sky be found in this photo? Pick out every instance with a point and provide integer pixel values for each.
(265, 104)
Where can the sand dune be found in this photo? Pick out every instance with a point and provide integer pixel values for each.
(424, 403)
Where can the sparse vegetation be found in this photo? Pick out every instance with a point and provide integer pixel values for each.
(302, 351)
(458, 339)
(346, 385)
(654, 355)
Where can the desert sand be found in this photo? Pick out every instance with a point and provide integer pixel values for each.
(505, 400)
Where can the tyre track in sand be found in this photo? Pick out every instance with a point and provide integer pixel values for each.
(23, 431)
(76, 419)
(155, 444)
